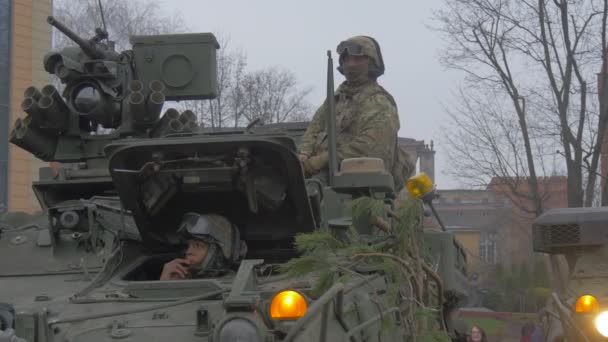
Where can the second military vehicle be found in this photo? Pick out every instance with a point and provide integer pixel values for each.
(579, 310)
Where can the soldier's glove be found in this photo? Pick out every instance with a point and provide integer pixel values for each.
(314, 164)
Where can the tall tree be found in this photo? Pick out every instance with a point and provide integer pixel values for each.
(541, 56)
(122, 20)
(272, 94)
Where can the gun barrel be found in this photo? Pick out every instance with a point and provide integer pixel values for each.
(86, 46)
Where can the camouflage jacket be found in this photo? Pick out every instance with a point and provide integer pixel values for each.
(367, 123)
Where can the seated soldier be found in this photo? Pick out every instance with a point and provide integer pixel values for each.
(213, 246)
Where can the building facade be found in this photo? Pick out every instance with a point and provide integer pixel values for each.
(421, 154)
(5, 62)
(554, 194)
(25, 37)
(479, 219)
(495, 225)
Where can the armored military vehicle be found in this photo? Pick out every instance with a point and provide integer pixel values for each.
(578, 311)
(128, 176)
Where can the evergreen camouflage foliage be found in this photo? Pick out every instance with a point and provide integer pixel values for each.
(395, 254)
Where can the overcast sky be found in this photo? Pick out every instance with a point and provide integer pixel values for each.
(297, 34)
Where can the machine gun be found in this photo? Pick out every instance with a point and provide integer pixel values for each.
(124, 92)
(108, 96)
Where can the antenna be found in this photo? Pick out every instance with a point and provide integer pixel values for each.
(331, 120)
(103, 19)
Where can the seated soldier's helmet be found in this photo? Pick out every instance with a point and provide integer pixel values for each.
(362, 46)
(214, 229)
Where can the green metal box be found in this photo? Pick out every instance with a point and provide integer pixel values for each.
(185, 63)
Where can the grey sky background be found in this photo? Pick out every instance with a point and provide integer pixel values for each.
(296, 35)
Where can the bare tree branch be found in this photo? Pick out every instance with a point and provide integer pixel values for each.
(547, 50)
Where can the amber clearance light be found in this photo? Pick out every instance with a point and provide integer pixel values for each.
(419, 185)
(288, 305)
(586, 303)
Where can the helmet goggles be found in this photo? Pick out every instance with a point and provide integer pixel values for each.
(350, 47)
(213, 229)
(196, 226)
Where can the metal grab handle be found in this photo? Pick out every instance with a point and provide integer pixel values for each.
(318, 306)
(369, 322)
(563, 314)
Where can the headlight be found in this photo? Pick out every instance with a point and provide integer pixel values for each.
(288, 305)
(601, 323)
(586, 303)
(239, 329)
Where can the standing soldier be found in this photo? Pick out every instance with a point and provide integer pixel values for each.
(366, 114)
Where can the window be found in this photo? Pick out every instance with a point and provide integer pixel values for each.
(5, 49)
(488, 248)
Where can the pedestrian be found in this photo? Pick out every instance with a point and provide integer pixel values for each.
(477, 335)
(526, 332)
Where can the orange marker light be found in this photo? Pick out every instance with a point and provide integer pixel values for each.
(288, 305)
(419, 185)
(586, 303)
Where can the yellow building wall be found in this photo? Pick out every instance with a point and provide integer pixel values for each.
(470, 241)
(31, 39)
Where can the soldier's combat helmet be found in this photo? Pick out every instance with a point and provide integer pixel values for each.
(362, 46)
(225, 246)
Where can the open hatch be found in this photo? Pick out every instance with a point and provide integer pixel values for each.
(254, 181)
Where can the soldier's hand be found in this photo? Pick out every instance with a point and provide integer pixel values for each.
(176, 269)
(303, 157)
(308, 169)
(315, 163)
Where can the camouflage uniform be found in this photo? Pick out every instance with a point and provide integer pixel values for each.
(366, 120)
